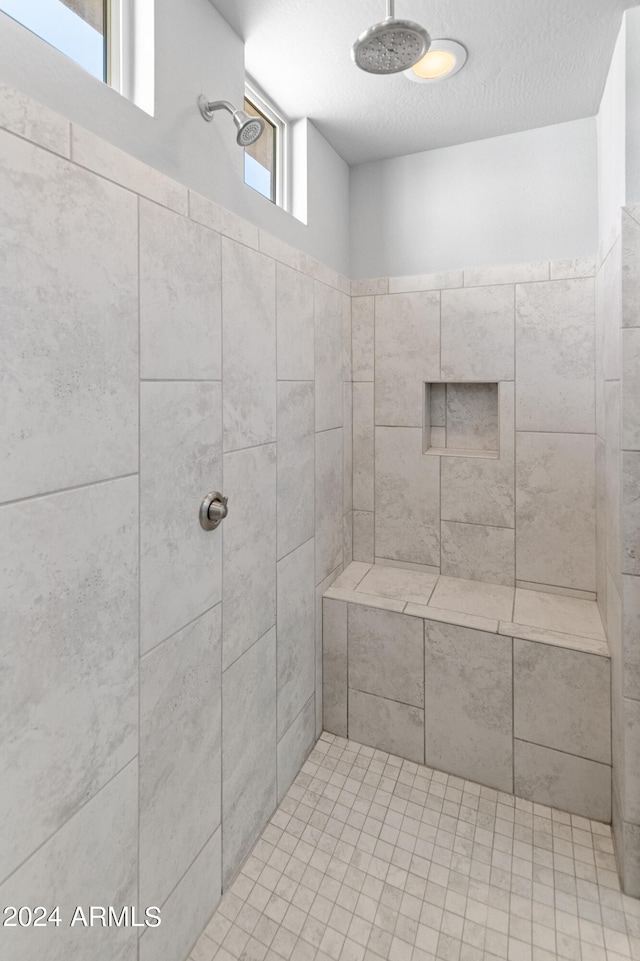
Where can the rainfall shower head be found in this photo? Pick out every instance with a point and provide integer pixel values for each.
(249, 128)
(391, 45)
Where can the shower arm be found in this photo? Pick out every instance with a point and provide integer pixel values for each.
(207, 108)
(391, 9)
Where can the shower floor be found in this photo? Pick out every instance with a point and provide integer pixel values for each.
(371, 857)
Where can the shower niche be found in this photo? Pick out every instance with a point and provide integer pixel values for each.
(461, 419)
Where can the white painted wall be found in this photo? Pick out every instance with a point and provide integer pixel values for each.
(611, 142)
(521, 197)
(196, 52)
(632, 25)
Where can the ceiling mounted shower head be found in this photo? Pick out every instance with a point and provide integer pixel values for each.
(249, 128)
(391, 45)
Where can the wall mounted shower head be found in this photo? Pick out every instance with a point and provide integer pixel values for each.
(249, 128)
(391, 45)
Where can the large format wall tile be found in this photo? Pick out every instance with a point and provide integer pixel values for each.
(387, 725)
(296, 644)
(294, 308)
(180, 753)
(613, 486)
(249, 549)
(555, 356)
(70, 653)
(407, 491)
(295, 458)
(249, 346)
(612, 306)
(562, 699)
(407, 355)
(334, 666)
(328, 502)
(507, 274)
(631, 633)
(555, 509)
(477, 334)
(631, 512)
(363, 443)
(630, 273)
(69, 334)
(248, 750)
(481, 490)
(562, 781)
(347, 447)
(29, 119)
(188, 908)
(362, 339)
(386, 654)
(180, 460)
(328, 356)
(91, 860)
(468, 704)
(631, 389)
(180, 297)
(363, 536)
(478, 552)
(294, 746)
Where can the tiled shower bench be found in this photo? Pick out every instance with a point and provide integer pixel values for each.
(506, 687)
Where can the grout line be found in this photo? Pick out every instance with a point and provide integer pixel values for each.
(139, 569)
(183, 627)
(558, 750)
(66, 490)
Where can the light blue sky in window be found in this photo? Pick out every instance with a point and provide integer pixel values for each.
(256, 175)
(62, 28)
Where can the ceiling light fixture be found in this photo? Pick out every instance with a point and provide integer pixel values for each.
(443, 60)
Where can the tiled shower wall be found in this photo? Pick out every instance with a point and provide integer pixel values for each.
(161, 685)
(526, 518)
(618, 518)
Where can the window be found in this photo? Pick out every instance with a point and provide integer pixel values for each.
(265, 160)
(111, 39)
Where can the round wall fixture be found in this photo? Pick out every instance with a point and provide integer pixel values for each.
(444, 58)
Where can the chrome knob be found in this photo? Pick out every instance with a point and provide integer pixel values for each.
(213, 510)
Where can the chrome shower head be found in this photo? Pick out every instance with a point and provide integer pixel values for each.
(391, 45)
(249, 128)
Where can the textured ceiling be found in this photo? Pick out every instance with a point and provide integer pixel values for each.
(531, 63)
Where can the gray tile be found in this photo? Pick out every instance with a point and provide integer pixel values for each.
(631, 512)
(363, 536)
(407, 347)
(362, 326)
(415, 587)
(180, 297)
(475, 621)
(180, 460)
(248, 750)
(296, 465)
(334, 667)
(570, 269)
(294, 308)
(188, 908)
(477, 334)
(631, 633)
(363, 444)
(204, 211)
(508, 274)
(477, 552)
(468, 704)
(91, 860)
(320, 589)
(296, 644)
(249, 356)
(438, 405)
(25, 117)
(347, 537)
(472, 416)
(294, 746)
(631, 800)
(347, 348)
(329, 502)
(568, 615)
(387, 725)
(69, 324)
(631, 389)
(613, 283)
(541, 635)
(555, 351)
(282, 252)
(352, 575)
(562, 700)
(180, 753)
(613, 483)
(555, 509)
(630, 271)
(69, 611)
(370, 287)
(473, 597)
(407, 491)
(562, 781)
(249, 549)
(365, 600)
(448, 278)
(386, 655)
(347, 447)
(482, 491)
(328, 356)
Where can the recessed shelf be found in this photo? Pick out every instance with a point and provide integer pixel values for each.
(461, 420)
